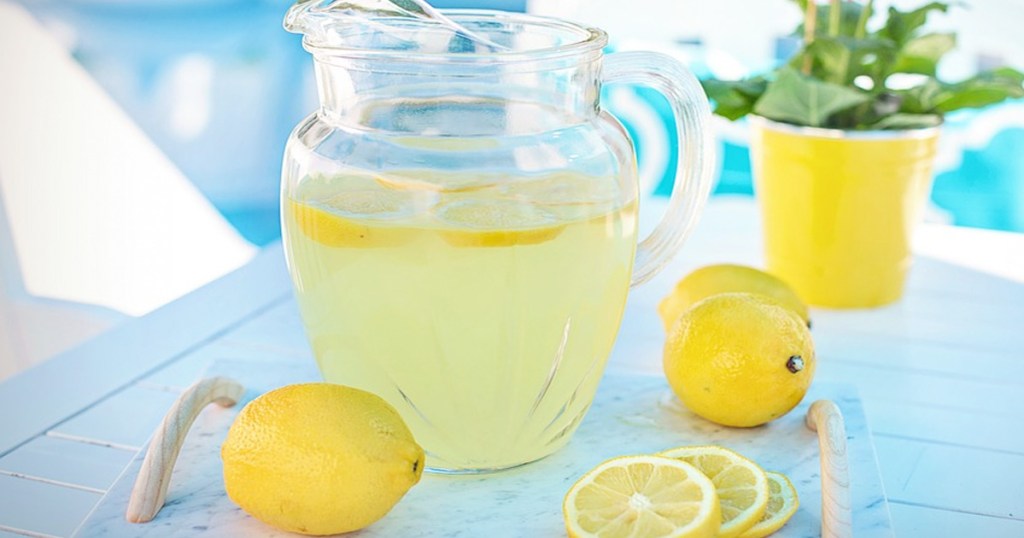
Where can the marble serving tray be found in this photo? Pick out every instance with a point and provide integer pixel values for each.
(632, 414)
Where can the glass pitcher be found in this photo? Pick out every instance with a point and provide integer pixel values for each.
(460, 225)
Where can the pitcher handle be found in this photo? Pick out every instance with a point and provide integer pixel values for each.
(695, 165)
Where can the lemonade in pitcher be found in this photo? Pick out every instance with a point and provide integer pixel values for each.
(483, 309)
(460, 218)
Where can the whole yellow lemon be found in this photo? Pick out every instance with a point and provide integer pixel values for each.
(319, 458)
(727, 278)
(739, 359)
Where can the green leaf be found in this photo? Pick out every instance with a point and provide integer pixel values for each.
(987, 88)
(902, 26)
(921, 55)
(984, 89)
(725, 90)
(723, 93)
(921, 99)
(840, 60)
(827, 93)
(831, 59)
(907, 121)
(796, 99)
(734, 99)
(733, 113)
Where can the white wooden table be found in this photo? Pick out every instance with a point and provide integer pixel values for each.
(941, 375)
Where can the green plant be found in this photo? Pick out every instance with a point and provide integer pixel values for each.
(841, 77)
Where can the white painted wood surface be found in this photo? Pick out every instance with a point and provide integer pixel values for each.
(67, 462)
(123, 420)
(37, 507)
(940, 375)
(69, 384)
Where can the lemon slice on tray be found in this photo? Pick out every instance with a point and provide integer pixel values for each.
(647, 496)
(742, 485)
(782, 504)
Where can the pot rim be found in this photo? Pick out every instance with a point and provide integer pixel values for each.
(842, 134)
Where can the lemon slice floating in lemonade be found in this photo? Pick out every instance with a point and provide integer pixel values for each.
(358, 218)
(497, 222)
(316, 187)
(567, 195)
(647, 496)
(564, 189)
(741, 484)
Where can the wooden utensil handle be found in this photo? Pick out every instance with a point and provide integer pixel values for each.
(825, 418)
(155, 475)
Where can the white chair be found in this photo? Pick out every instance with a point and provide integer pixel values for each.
(35, 328)
(95, 223)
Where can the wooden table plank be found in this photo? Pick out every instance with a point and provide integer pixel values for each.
(923, 357)
(960, 333)
(39, 507)
(73, 381)
(125, 419)
(184, 371)
(67, 462)
(947, 426)
(910, 520)
(954, 478)
(940, 373)
(927, 388)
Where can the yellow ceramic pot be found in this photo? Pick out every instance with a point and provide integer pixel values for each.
(838, 208)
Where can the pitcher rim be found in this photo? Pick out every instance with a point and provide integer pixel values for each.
(590, 39)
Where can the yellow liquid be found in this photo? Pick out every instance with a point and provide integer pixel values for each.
(483, 312)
